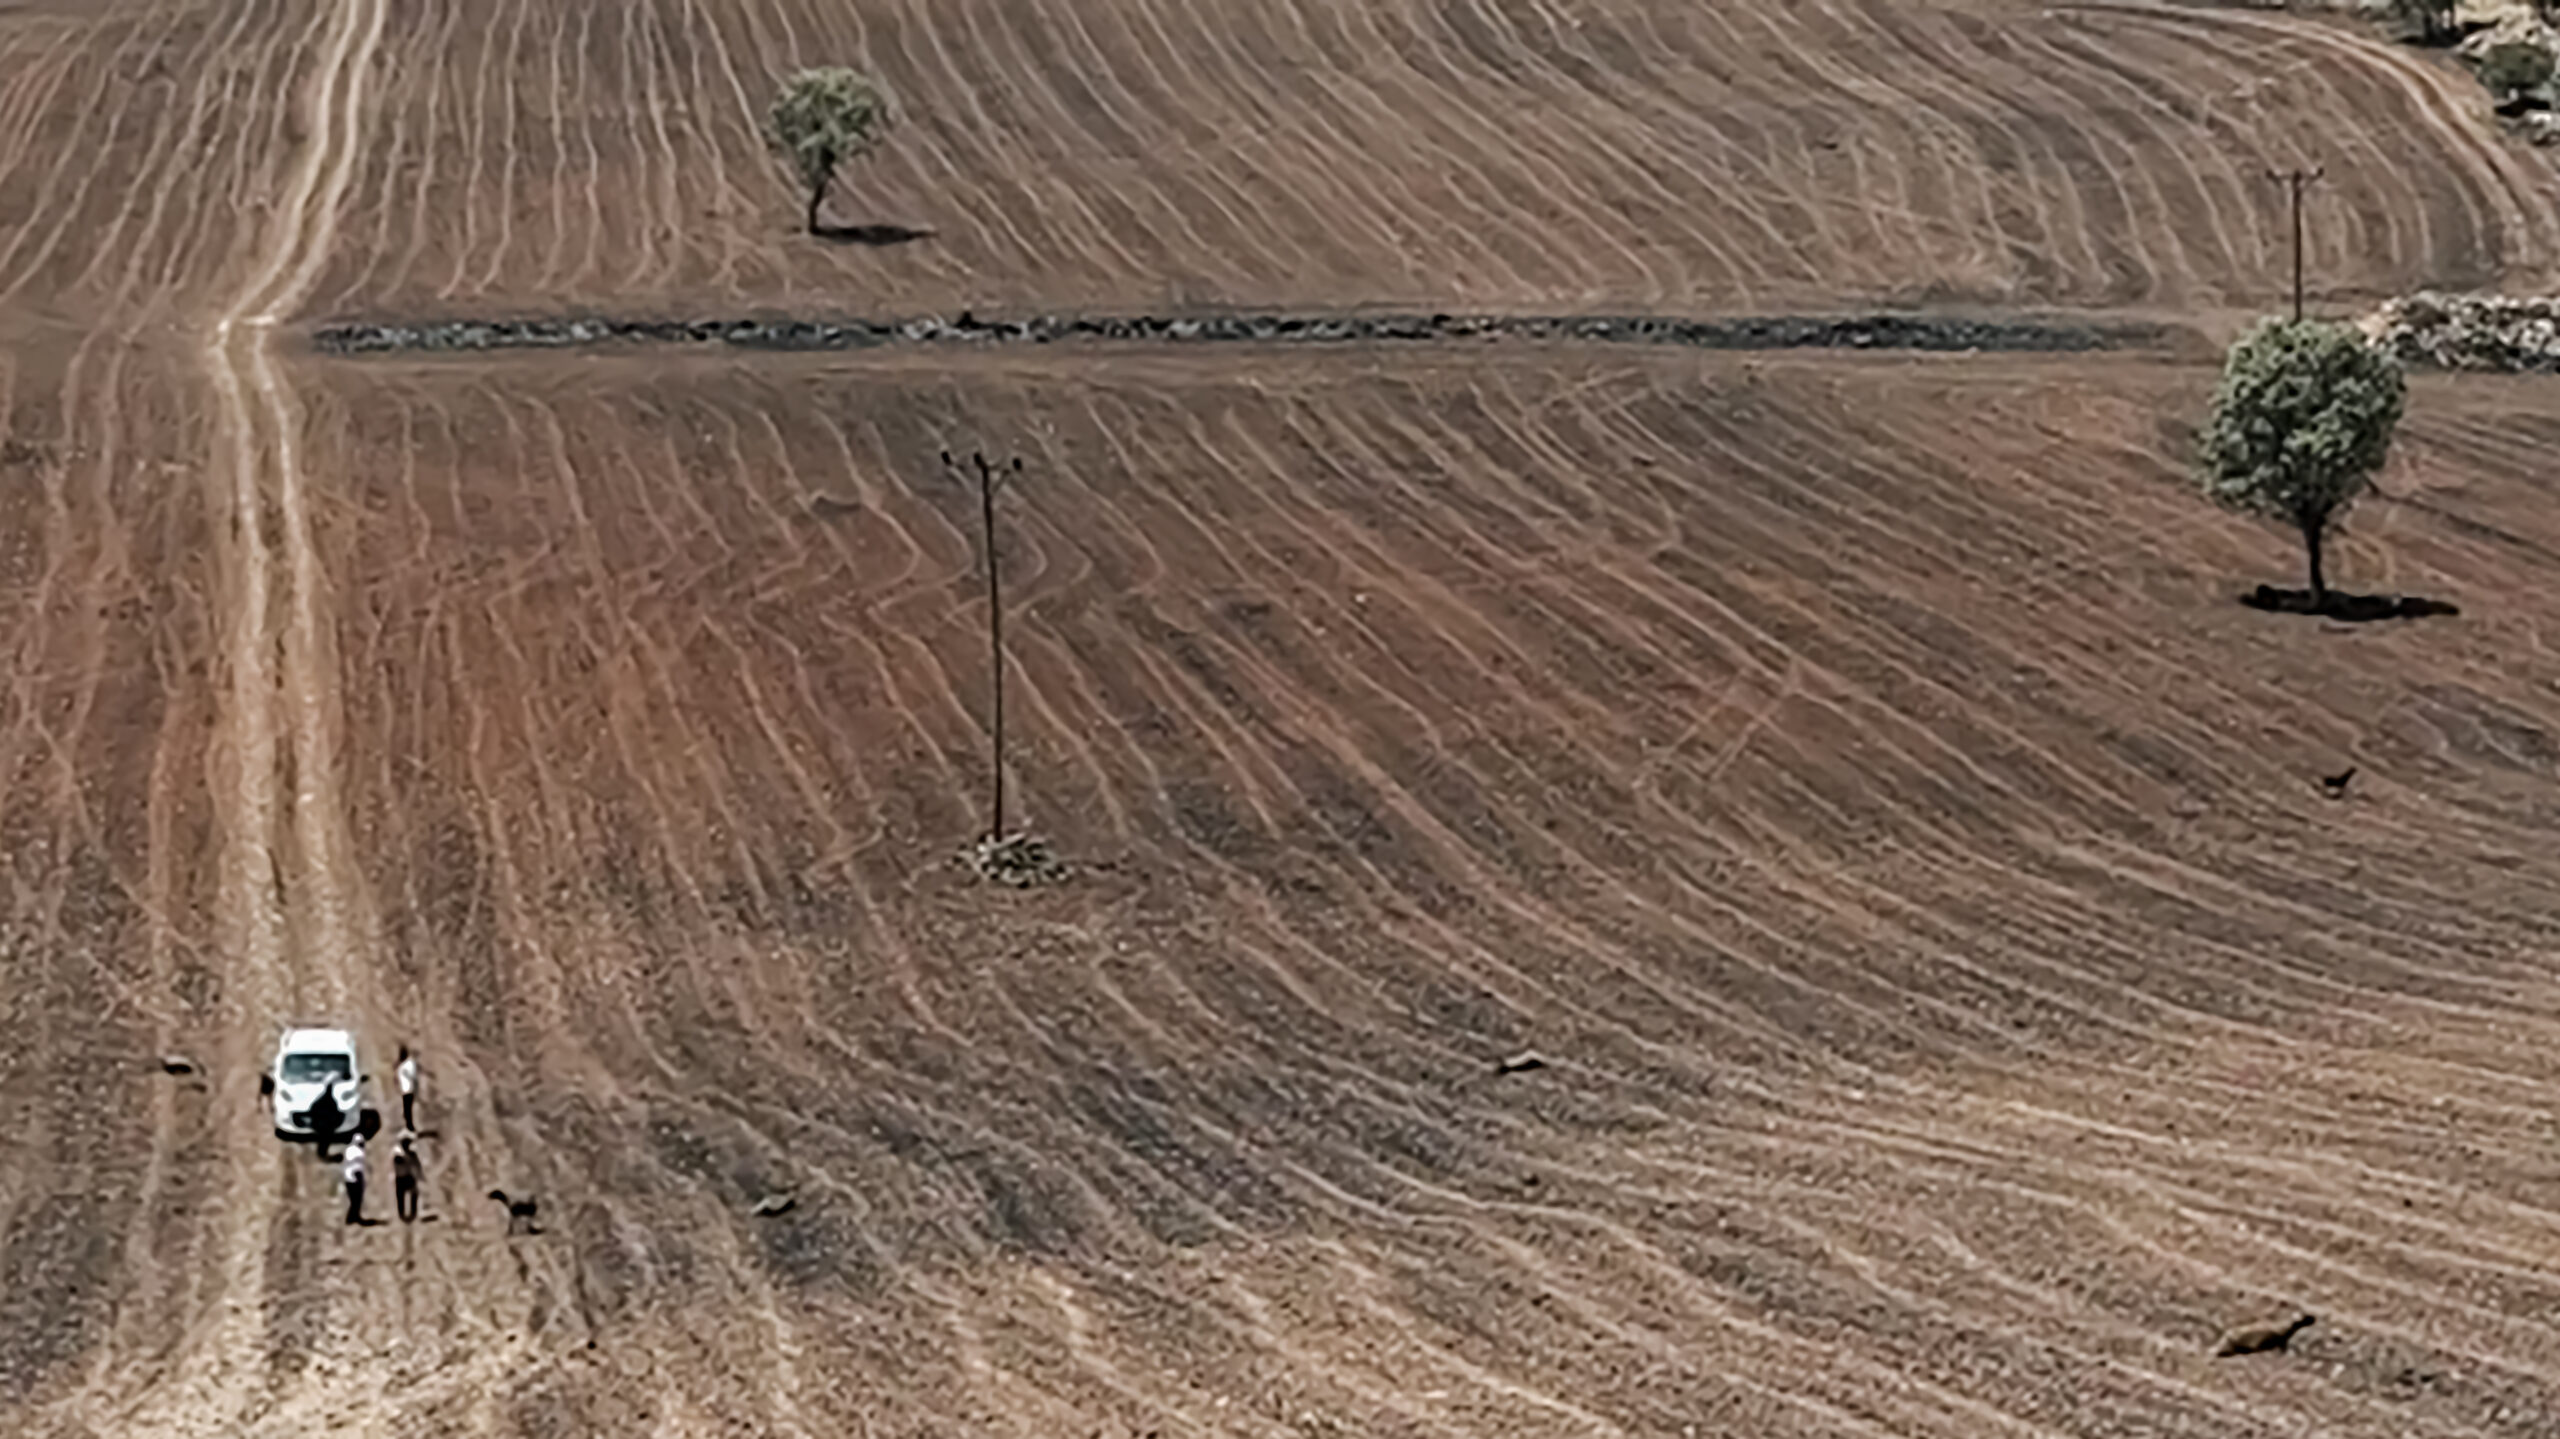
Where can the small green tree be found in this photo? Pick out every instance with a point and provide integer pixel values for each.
(2434, 18)
(2301, 422)
(822, 119)
(2513, 67)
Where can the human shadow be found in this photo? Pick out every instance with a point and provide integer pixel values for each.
(2346, 608)
(873, 236)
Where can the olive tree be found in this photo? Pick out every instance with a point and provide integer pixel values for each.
(2514, 67)
(2301, 422)
(822, 119)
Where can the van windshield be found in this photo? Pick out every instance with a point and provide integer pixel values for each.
(306, 1068)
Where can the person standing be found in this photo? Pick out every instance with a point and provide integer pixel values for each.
(324, 1117)
(404, 1177)
(408, 1089)
(352, 1170)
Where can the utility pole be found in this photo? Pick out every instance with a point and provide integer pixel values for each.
(990, 475)
(2294, 180)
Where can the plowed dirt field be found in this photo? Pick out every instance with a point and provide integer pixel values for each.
(1958, 1000)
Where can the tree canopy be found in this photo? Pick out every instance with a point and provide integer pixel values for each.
(2301, 423)
(822, 119)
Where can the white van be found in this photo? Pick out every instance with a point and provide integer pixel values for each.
(309, 1063)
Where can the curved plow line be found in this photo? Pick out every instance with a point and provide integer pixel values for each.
(1585, 864)
(1532, 914)
(2153, 241)
(504, 136)
(552, 247)
(1094, 231)
(185, 132)
(2440, 110)
(646, 54)
(1608, 127)
(1475, 125)
(68, 155)
(597, 225)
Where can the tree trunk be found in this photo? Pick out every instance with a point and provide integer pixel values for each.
(817, 197)
(2311, 533)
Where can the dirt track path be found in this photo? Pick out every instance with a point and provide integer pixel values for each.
(291, 918)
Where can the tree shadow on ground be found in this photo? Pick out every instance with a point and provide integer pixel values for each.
(2344, 607)
(873, 236)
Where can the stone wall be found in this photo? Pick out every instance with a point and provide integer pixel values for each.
(1878, 332)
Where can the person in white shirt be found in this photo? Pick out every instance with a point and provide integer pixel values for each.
(352, 1170)
(408, 1089)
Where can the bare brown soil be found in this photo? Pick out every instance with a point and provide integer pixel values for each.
(1960, 1003)
(1484, 153)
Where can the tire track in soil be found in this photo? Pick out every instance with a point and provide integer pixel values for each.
(290, 917)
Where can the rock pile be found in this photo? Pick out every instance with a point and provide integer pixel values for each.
(1879, 332)
(2502, 22)
(2506, 333)
(1020, 860)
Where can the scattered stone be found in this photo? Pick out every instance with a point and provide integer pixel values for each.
(1019, 859)
(1521, 1063)
(773, 1204)
(2505, 334)
(2508, 23)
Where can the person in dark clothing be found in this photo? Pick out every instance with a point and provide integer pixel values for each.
(404, 1177)
(324, 1117)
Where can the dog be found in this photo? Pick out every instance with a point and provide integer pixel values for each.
(2262, 1338)
(520, 1211)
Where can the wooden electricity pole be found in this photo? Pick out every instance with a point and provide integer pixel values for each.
(2294, 180)
(990, 475)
